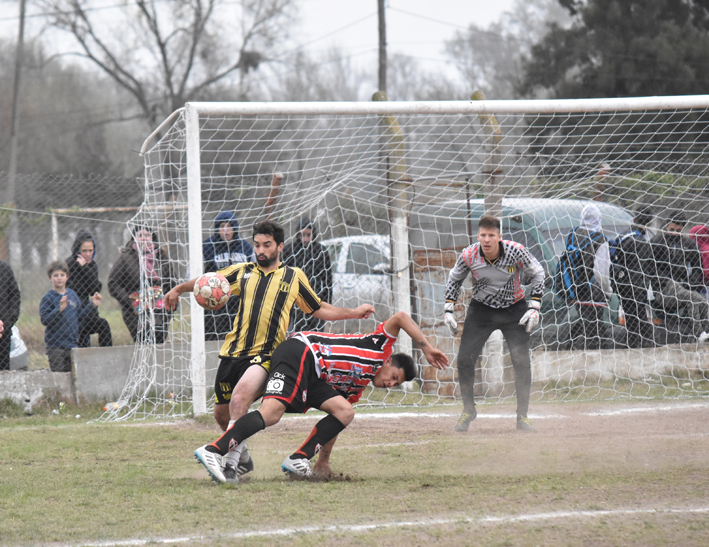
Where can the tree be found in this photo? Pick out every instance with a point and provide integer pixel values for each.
(622, 48)
(491, 59)
(167, 52)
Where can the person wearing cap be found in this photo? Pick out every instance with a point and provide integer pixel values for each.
(309, 255)
(142, 254)
(632, 269)
(679, 279)
(222, 249)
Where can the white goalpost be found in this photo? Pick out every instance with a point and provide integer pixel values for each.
(395, 191)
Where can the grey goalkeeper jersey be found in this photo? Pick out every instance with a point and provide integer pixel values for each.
(497, 285)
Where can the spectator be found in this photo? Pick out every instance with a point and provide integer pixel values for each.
(224, 248)
(141, 254)
(679, 280)
(591, 284)
(60, 311)
(83, 280)
(632, 270)
(700, 235)
(311, 257)
(9, 311)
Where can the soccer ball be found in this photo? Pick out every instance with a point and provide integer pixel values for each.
(211, 291)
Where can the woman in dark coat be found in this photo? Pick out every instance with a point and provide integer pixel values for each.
(142, 253)
(83, 280)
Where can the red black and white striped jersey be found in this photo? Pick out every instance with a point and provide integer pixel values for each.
(348, 362)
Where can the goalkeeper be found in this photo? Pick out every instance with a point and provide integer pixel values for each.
(329, 372)
(499, 267)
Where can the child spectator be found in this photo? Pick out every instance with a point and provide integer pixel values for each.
(60, 311)
(83, 280)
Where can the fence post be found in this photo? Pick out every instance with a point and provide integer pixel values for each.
(399, 204)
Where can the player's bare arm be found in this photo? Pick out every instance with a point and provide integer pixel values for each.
(402, 321)
(173, 297)
(328, 312)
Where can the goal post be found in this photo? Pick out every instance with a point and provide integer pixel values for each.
(371, 175)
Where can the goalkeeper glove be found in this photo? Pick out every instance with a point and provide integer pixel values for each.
(450, 319)
(531, 317)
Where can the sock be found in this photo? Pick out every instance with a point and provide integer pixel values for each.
(324, 431)
(245, 427)
(232, 457)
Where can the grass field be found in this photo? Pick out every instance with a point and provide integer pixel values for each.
(592, 474)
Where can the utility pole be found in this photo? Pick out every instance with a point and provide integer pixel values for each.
(13, 249)
(382, 47)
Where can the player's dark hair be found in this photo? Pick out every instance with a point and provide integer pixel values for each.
(57, 265)
(270, 228)
(405, 363)
(489, 221)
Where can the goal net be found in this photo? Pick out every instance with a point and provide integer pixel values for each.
(395, 191)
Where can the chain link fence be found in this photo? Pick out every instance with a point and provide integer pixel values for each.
(42, 226)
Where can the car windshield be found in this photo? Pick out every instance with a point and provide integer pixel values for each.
(334, 250)
(362, 258)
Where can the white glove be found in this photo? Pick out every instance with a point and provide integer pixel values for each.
(531, 317)
(450, 319)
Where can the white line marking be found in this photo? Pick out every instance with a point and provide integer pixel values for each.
(388, 416)
(535, 517)
(663, 408)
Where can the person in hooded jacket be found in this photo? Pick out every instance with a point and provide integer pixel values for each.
(594, 287)
(679, 280)
(142, 252)
(83, 280)
(222, 249)
(309, 255)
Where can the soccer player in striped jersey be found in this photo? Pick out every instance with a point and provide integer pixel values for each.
(267, 292)
(499, 268)
(328, 372)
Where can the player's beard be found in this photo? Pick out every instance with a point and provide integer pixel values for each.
(268, 260)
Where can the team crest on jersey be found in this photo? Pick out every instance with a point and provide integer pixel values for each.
(326, 350)
(510, 269)
(283, 286)
(305, 395)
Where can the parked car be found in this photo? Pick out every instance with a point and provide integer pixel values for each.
(360, 271)
(361, 264)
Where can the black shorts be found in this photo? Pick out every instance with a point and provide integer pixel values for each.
(230, 371)
(293, 379)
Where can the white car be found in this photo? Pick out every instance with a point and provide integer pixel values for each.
(361, 275)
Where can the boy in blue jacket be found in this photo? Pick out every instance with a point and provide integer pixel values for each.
(60, 311)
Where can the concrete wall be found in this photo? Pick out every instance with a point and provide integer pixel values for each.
(99, 374)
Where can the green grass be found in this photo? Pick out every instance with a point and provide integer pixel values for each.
(67, 481)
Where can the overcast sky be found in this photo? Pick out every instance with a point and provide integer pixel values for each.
(414, 27)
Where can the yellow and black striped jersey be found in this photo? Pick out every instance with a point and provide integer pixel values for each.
(265, 304)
